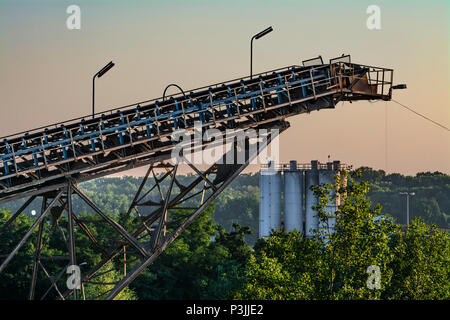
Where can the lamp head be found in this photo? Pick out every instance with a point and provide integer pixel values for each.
(399, 86)
(264, 32)
(105, 69)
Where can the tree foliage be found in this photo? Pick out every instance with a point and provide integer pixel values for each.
(333, 265)
(212, 259)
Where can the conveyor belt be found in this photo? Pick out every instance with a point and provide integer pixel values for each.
(133, 135)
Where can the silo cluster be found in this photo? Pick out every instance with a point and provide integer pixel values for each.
(289, 184)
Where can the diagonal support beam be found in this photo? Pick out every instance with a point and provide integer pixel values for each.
(88, 233)
(159, 249)
(133, 241)
(37, 252)
(27, 235)
(199, 173)
(138, 193)
(70, 215)
(157, 233)
(53, 281)
(149, 219)
(18, 212)
(153, 187)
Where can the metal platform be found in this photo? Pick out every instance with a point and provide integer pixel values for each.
(49, 162)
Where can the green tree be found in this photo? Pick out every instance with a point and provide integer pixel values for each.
(421, 263)
(235, 242)
(204, 262)
(333, 265)
(282, 267)
(358, 241)
(15, 279)
(185, 267)
(99, 286)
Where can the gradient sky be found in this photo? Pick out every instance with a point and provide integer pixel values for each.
(46, 69)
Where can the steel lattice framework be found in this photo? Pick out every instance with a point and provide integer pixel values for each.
(50, 162)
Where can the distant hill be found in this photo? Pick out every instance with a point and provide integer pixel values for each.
(239, 203)
(431, 200)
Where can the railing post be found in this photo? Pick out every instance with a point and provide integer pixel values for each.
(73, 145)
(378, 72)
(14, 159)
(312, 83)
(129, 130)
(184, 114)
(156, 122)
(212, 108)
(101, 136)
(287, 89)
(262, 96)
(43, 152)
(237, 104)
(392, 82)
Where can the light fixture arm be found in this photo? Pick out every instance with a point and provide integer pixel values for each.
(257, 36)
(99, 74)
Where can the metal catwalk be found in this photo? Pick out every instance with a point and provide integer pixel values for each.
(49, 162)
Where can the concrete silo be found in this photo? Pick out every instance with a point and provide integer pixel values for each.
(296, 190)
(327, 177)
(311, 178)
(293, 198)
(270, 202)
(264, 212)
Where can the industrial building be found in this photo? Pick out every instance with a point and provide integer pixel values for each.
(291, 184)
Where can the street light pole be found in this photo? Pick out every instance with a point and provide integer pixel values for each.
(93, 95)
(407, 204)
(257, 36)
(98, 75)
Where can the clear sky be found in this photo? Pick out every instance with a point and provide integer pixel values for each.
(46, 69)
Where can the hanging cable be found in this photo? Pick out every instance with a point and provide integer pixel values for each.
(421, 115)
(385, 137)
